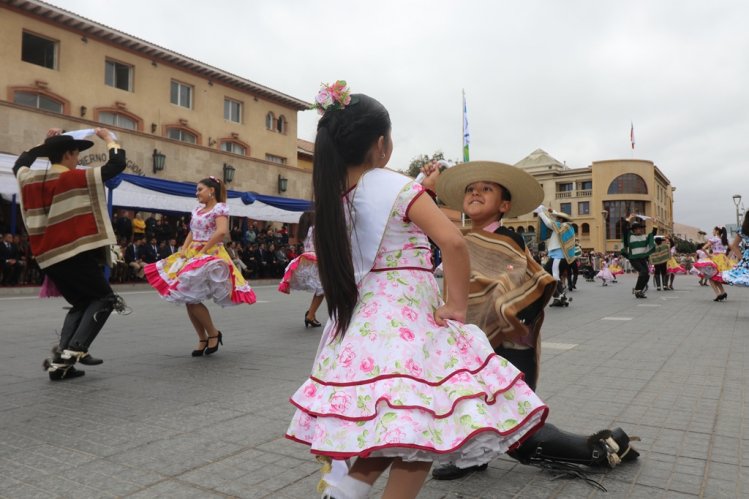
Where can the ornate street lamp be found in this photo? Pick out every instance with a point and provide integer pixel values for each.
(283, 183)
(159, 161)
(228, 173)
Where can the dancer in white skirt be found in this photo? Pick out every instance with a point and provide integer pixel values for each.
(399, 381)
(301, 273)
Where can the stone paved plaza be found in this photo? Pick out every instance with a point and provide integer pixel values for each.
(154, 422)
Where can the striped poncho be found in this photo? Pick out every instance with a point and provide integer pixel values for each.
(65, 212)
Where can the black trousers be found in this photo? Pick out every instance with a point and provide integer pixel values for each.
(524, 360)
(82, 283)
(641, 266)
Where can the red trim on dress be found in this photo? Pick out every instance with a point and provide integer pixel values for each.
(408, 208)
(517, 378)
(368, 451)
(425, 269)
(423, 381)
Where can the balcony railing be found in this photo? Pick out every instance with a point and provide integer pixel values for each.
(575, 194)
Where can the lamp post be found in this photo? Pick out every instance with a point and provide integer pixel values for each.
(604, 215)
(737, 202)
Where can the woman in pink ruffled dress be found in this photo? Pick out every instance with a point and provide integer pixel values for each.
(202, 269)
(399, 381)
(301, 273)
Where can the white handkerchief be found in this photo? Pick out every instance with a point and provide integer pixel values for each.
(86, 132)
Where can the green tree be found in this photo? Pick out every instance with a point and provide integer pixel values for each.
(415, 166)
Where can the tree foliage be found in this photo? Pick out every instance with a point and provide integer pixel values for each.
(415, 166)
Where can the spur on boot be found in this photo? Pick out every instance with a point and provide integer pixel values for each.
(310, 323)
(199, 351)
(59, 371)
(79, 356)
(219, 339)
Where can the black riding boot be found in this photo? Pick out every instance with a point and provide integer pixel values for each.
(550, 444)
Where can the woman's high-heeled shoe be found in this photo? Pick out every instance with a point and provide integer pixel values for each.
(199, 352)
(219, 339)
(722, 297)
(310, 323)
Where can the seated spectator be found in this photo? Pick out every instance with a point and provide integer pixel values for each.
(134, 258)
(10, 259)
(251, 258)
(151, 251)
(119, 267)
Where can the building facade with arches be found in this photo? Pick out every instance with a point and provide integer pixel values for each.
(65, 71)
(598, 197)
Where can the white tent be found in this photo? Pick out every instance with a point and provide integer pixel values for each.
(128, 195)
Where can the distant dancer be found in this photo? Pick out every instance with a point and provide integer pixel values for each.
(302, 274)
(202, 269)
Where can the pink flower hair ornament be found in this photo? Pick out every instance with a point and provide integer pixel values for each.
(332, 96)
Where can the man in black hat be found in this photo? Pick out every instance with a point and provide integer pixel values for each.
(637, 247)
(65, 212)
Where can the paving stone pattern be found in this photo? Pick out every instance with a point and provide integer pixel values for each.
(154, 422)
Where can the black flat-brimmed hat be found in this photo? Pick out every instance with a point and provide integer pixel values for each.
(637, 224)
(60, 143)
(525, 190)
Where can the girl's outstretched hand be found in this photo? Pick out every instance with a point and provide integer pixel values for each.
(447, 312)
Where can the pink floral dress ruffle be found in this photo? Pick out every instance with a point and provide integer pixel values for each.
(301, 273)
(399, 385)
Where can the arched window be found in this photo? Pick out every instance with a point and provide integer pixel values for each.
(586, 229)
(629, 183)
(521, 230)
(574, 226)
(118, 118)
(270, 121)
(281, 124)
(40, 99)
(183, 134)
(531, 229)
(235, 147)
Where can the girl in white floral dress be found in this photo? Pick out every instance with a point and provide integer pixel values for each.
(398, 381)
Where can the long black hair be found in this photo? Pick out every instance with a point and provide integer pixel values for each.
(306, 221)
(745, 225)
(344, 138)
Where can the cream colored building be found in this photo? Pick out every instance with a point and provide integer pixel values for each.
(62, 70)
(599, 196)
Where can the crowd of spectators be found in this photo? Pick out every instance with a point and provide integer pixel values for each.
(258, 249)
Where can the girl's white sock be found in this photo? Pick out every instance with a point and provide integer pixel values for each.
(348, 488)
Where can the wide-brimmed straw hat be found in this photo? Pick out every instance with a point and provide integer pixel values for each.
(560, 214)
(525, 190)
(60, 143)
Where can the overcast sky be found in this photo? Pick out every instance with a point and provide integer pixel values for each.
(565, 76)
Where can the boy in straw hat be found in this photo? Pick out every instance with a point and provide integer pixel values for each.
(65, 212)
(507, 296)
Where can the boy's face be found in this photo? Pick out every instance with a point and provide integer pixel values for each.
(483, 200)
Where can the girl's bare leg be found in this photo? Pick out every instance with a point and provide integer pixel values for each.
(406, 479)
(316, 302)
(202, 322)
